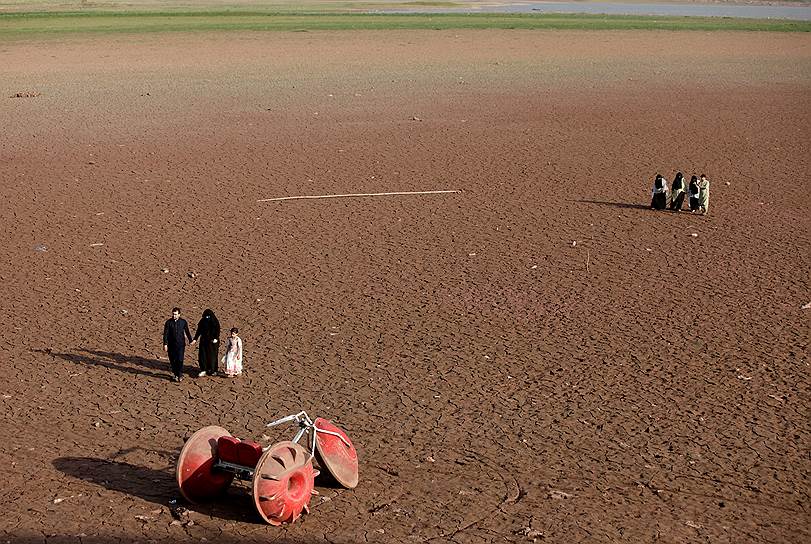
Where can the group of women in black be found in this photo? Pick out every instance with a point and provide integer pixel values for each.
(698, 192)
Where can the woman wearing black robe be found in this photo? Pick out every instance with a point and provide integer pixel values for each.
(677, 193)
(659, 200)
(208, 332)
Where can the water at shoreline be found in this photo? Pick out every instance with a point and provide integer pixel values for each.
(796, 13)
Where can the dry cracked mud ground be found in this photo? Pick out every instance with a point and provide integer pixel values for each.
(538, 357)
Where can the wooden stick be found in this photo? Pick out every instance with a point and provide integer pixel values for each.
(311, 197)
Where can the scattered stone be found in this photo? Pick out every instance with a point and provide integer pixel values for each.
(574, 243)
(693, 524)
(124, 312)
(430, 459)
(558, 495)
(806, 306)
(165, 270)
(145, 519)
(727, 183)
(530, 533)
(694, 235)
(415, 118)
(41, 248)
(192, 275)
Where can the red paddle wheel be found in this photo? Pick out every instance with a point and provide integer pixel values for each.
(335, 453)
(283, 483)
(196, 476)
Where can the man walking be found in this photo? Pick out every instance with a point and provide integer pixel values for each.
(175, 333)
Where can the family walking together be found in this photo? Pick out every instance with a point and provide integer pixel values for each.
(698, 192)
(176, 333)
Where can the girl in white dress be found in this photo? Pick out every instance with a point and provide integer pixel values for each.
(232, 360)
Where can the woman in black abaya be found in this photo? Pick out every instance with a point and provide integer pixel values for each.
(208, 333)
(677, 193)
(659, 200)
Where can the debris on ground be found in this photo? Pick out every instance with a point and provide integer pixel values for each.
(559, 495)
(179, 512)
(530, 533)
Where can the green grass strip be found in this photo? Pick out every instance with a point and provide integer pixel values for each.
(44, 24)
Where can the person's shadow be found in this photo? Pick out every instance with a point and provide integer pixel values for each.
(132, 364)
(157, 486)
(615, 204)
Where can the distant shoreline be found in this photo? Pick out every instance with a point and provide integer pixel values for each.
(160, 17)
(482, 6)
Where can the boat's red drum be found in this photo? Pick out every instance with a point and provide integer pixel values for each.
(195, 478)
(340, 459)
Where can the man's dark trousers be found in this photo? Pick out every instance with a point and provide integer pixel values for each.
(176, 355)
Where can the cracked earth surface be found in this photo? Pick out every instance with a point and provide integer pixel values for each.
(536, 358)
